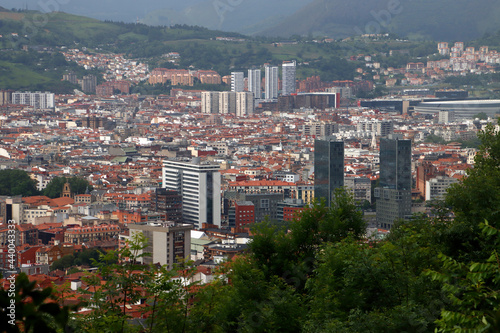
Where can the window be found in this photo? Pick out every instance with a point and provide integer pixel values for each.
(264, 203)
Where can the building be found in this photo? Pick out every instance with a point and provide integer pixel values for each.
(82, 235)
(244, 213)
(89, 84)
(168, 202)
(237, 81)
(111, 87)
(200, 188)
(168, 243)
(328, 168)
(345, 92)
(394, 194)
(37, 99)
(254, 82)
(265, 204)
(244, 104)
(173, 76)
(271, 89)
(360, 187)
(446, 116)
(210, 102)
(288, 72)
(5, 97)
(71, 77)
(208, 77)
(436, 188)
(227, 102)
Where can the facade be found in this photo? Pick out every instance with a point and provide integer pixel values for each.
(89, 84)
(254, 82)
(81, 235)
(168, 243)
(200, 188)
(271, 91)
(436, 188)
(244, 104)
(394, 194)
(237, 81)
(168, 202)
(288, 78)
(360, 187)
(244, 213)
(38, 99)
(227, 102)
(210, 102)
(446, 116)
(328, 168)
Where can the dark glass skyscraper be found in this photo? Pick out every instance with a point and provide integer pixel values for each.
(328, 168)
(394, 194)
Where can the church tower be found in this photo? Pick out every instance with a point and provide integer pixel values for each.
(66, 193)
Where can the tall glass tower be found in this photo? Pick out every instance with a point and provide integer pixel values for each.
(394, 194)
(328, 168)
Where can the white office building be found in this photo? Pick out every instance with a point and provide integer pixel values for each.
(271, 82)
(237, 81)
(37, 99)
(254, 82)
(288, 77)
(200, 187)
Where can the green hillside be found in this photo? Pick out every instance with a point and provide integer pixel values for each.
(424, 19)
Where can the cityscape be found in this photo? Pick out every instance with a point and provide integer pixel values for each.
(211, 173)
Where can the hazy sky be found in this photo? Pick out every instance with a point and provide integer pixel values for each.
(246, 16)
(123, 10)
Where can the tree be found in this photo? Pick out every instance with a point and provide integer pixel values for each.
(476, 199)
(17, 182)
(55, 186)
(35, 309)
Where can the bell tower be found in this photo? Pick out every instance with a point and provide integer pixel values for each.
(66, 192)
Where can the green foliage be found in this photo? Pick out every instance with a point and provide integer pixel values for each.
(291, 255)
(55, 186)
(476, 199)
(17, 182)
(473, 289)
(35, 310)
(86, 257)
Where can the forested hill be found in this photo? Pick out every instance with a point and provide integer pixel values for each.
(426, 19)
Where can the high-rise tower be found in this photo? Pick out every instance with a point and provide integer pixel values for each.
(271, 82)
(200, 188)
(288, 72)
(394, 194)
(328, 168)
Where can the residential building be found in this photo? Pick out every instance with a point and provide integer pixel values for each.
(394, 194)
(168, 242)
(200, 187)
(254, 82)
(227, 102)
(244, 104)
(436, 188)
(244, 213)
(89, 84)
(237, 81)
(328, 168)
(288, 72)
(271, 90)
(168, 202)
(210, 102)
(37, 99)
